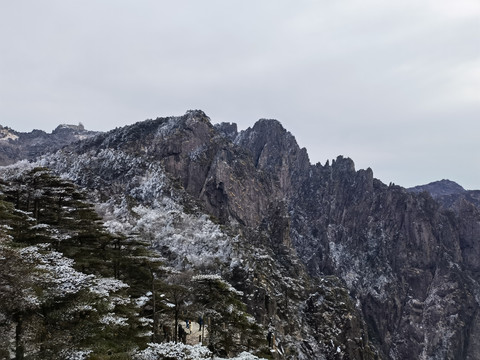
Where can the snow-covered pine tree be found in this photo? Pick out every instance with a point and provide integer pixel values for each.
(59, 294)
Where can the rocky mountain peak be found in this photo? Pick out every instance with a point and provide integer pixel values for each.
(197, 115)
(275, 150)
(191, 118)
(343, 164)
(450, 194)
(63, 127)
(228, 130)
(440, 188)
(267, 131)
(269, 125)
(192, 121)
(7, 134)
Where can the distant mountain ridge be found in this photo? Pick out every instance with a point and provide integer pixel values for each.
(15, 146)
(440, 188)
(449, 193)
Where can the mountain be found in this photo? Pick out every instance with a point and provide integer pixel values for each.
(334, 263)
(449, 193)
(440, 188)
(15, 146)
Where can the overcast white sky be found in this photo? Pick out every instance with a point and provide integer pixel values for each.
(395, 85)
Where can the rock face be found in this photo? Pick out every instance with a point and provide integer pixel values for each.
(380, 272)
(15, 146)
(408, 264)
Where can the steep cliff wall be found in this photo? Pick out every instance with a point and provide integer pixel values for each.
(411, 266)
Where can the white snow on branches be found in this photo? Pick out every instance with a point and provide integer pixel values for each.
(115, 320)
(56, 271)
(181, 351)
(105, 286)
(174, 351)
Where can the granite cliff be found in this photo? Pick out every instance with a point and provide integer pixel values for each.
(410, 266)
(340, 265)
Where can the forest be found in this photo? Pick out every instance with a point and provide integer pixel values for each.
(72, 289)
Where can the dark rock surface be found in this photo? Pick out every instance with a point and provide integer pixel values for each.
(409, 264)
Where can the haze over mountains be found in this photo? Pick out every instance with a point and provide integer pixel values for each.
(332, 261)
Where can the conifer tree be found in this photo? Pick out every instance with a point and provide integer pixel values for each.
(231, 329)
(59, 289)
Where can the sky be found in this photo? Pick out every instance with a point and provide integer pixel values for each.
(394, 85)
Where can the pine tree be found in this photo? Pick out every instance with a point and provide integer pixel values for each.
(231, 329)
(62, 276)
